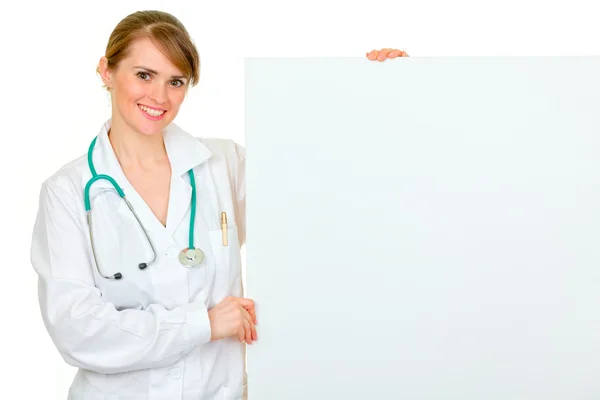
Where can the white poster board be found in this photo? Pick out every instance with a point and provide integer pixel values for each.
(424, 228)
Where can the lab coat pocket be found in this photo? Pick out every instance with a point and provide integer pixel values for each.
(227, 263)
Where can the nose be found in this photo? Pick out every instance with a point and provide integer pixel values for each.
(158, 93)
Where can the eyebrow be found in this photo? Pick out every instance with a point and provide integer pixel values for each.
(156, 73)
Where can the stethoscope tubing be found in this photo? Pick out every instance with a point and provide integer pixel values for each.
(88, 208)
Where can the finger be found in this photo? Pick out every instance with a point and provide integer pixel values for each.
(242, 333)
(395, 53)
(248, 304)
(372, 55)
(252, 312)
(254, 334)
(383, 54)
(404, 54)
(247, 330)
(252, 327)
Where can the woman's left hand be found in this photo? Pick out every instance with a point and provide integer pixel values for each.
(383, 54)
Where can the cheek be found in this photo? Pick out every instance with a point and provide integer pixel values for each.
(136, 91)
(131, 90)
(176, 99)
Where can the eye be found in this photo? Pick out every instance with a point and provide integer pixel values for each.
(177, 83)
(143, 75)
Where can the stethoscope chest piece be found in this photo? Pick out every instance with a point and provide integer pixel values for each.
(191, 257)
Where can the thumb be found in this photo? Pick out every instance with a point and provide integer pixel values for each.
(246, 302)
(248, 305)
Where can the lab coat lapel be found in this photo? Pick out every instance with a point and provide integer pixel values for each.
(179, 202)
(185, 152)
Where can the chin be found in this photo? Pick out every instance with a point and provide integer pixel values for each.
(151, 128)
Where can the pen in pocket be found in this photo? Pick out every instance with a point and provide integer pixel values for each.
(224, 227)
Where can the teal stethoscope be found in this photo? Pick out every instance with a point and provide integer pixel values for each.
(189, 257)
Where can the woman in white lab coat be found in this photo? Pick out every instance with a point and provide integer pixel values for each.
(156, 312)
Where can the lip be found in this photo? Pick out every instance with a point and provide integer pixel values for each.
(150, 117)
(153, 108)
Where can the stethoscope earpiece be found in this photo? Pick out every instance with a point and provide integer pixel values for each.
(143, 265)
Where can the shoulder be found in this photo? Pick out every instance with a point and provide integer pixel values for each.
(64, 188)
(224, 149)
(229, 157)
(228, 154)
(69, 177)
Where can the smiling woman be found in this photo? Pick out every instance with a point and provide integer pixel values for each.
(146, 302)
(149, 64)
(158, 307)
(145, 87)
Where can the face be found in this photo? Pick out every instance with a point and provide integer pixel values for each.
(146, 89)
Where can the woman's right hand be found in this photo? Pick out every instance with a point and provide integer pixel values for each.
(234, 316)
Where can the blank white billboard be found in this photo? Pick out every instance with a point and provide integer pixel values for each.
(424, 228)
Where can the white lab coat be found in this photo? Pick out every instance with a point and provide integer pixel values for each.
(147, 335)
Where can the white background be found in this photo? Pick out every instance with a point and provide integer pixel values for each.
(53, 103)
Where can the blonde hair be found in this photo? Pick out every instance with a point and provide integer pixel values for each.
(165, 31)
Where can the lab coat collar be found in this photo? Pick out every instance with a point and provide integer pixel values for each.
(184, 151)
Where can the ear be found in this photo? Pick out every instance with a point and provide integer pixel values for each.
(105, 72)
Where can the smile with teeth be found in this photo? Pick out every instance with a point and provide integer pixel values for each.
(152, 112)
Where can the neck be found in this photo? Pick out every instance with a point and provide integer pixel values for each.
(135, 150)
